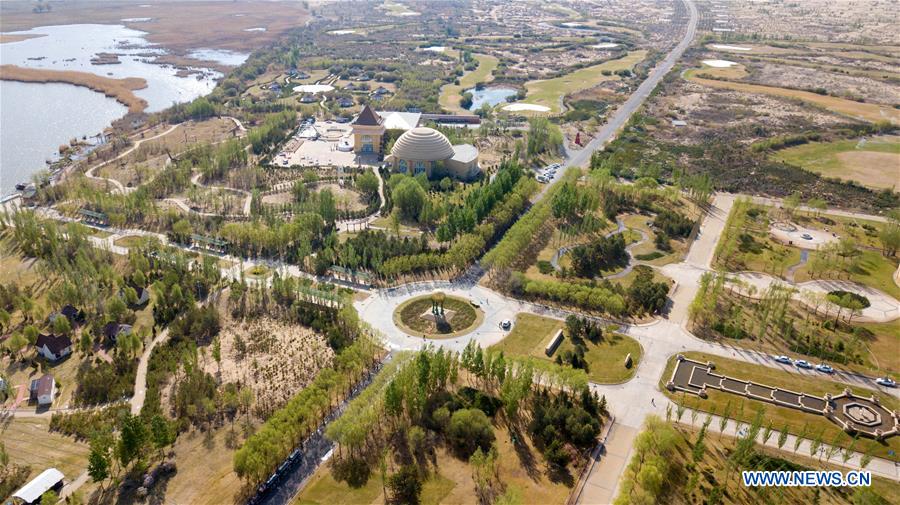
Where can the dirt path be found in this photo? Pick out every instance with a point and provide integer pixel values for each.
(140, 378)
(90, 172)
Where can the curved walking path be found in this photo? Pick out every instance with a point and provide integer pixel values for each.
(89, 173)
(620, 228)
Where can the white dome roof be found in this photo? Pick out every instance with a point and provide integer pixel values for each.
(422, 144)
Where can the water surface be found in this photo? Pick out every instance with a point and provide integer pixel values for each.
(490, 96)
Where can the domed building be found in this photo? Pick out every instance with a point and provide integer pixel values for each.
(427, 150)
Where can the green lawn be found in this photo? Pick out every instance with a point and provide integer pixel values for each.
(452, 93)
(465, 317)
(130, 241)
(548, 92)
(744, 409)
(874, 163)
(606, 359)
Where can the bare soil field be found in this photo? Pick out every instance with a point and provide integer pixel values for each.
(205, 470)
(710, 111)
(173, 24)
(122, 90)
(873, 21)
(789, 76)
(275, 359)
(150, 157)
(864, 111)
(29, 441)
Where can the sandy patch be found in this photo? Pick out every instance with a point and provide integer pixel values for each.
(605, 45)
(719, 63)
(313, 88)
(726, 47)
(278, 359)
(341, 32)
(519, 107)
(12, 37)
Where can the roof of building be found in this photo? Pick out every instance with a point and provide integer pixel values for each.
(70, 312)
(55, 343)
(368, 118)
(43, 385)
(39, 485)
(422, 144)
(400, 120)
(113, 330)
(465, 153)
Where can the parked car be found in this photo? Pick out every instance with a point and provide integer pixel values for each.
(824, 368)
(506, 324)
(806, 236)
(784, 359)
(886, 381)
(802, 363)
(542, 179)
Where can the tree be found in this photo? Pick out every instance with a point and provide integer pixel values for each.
(782, 436)
(49, 498)
(99, 459)
(181, 231)
(16, 343)
(406, 486)
(367, 184)
(409, 197)
(468, 430)
(132, 438)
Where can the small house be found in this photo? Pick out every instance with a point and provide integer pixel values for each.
(49, 479)
(679, 123)
(345, 102)
(143, 295)
(307, 98)
(111, 331)
(74, 315)
(43, 390)
(53, 347)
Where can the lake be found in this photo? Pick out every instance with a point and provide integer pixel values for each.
(31, 134)
(71, 47)
(490, 96)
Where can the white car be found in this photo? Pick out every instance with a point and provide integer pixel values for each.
(886, 381)
(506, 324)
(542, 179)
(784, 359)
(802, 363)
(806, 236)
(824, 368)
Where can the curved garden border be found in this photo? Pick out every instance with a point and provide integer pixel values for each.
(398, 322)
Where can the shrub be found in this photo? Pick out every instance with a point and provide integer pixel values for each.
(468, 430)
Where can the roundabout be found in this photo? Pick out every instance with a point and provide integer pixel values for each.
(438, 315)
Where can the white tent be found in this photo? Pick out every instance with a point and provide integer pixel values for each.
(31, 492)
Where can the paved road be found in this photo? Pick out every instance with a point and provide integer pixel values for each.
(622, 114)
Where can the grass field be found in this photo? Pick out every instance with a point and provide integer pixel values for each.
(606, 359)
(549, 92)
(205, 472)
(29, 441)
(129, 241)
(874, 162)
(452, 93)
(744, 409)
(864, 111)
(450, 480)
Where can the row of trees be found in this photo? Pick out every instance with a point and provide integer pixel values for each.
(261, 454)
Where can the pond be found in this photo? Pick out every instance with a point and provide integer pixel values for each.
(490, 96)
